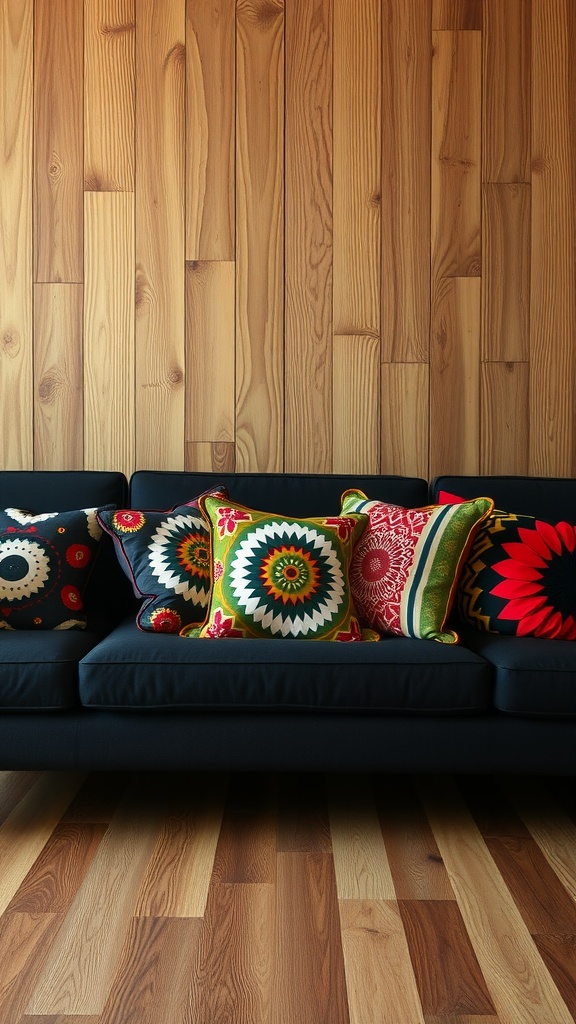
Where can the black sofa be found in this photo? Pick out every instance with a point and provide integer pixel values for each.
(115, 697)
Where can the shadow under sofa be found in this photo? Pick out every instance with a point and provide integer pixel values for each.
(115, 697)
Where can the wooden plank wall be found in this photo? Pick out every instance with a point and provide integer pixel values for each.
(312, 235)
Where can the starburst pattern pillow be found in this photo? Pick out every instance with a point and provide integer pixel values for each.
(405, 568)
(166, 555)
(279, 577)
(520, 578)
(45, 564)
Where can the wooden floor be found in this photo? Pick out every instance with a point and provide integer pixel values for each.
(185, 899)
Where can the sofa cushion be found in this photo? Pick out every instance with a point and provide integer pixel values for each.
(45, 563)
(132, 670)
(549, 498)
(404, 571)
(39, 671)
(166, 556)
(531, 676)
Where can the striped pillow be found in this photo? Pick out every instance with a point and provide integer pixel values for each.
(405, 567)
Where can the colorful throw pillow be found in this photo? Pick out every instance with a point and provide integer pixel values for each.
(405, 567)
(520, 578)
(45, 564)
(279, 577)
(166, 555)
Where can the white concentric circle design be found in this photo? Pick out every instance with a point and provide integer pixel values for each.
(24, 568)
(169, 566)
(321, 609)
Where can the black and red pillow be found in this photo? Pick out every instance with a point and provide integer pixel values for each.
(45, 564)
(520, 578)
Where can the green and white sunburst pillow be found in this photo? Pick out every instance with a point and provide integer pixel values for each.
(406, 566)
(279, 577)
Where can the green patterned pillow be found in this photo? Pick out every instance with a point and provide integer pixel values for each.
(405, 567)
(279, 577)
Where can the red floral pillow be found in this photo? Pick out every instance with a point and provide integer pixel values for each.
(520, 578)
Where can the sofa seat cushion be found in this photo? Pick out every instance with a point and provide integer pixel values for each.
(533, 676)
(39, 671)
(131, 670)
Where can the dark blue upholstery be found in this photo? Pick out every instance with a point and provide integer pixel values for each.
(131, 669)
(292, 494)
(40, 669)
(549, 498)
(531, 676)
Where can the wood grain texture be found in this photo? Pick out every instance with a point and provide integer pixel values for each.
(310, 987)
(356, 400)
(109, 94)
(505, 420)
(79, 971)
(404, 415)
(160, 268)
(551, 827)
(500, 939)
(506, 272)
(379, 977)
(16, 34)
(109, 351)
(506, 50)
(457, 15)
(35, 817)
(416, 866)
(308, 242)
(177, 877)
(454, 377)
(210, 92)
(259, 235)
(456, 154)
(58, 376)
(278, 939)
(448, 976)
(406, 142)
(210, 457)
(58, 140)
(164, 950)
(360, 861)
(210, 352)
(357, 193)
(232, 973)
(553, 256)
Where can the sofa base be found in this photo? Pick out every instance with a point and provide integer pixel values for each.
(102, 741)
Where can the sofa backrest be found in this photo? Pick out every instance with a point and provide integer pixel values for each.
(550, 498)
(291, 494)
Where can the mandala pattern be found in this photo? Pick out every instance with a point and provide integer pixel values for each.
(520, 578)
(405, 567)
(280, 577)
(45, 562)
(166, 555)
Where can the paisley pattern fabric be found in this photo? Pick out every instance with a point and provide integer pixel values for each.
(278, 577)
(166, 555)
(405, 567)
(45, 563)
(520, 578)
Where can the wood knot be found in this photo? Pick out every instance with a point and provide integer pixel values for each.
(175, 376)
(48, 388)
(11, 342)
(117, 30)
(176, 55)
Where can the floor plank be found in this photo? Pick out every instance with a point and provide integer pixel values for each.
(379, 977)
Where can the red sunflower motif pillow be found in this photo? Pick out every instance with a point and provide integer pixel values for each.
(166, 556)
(520, 578)
(277, 577)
